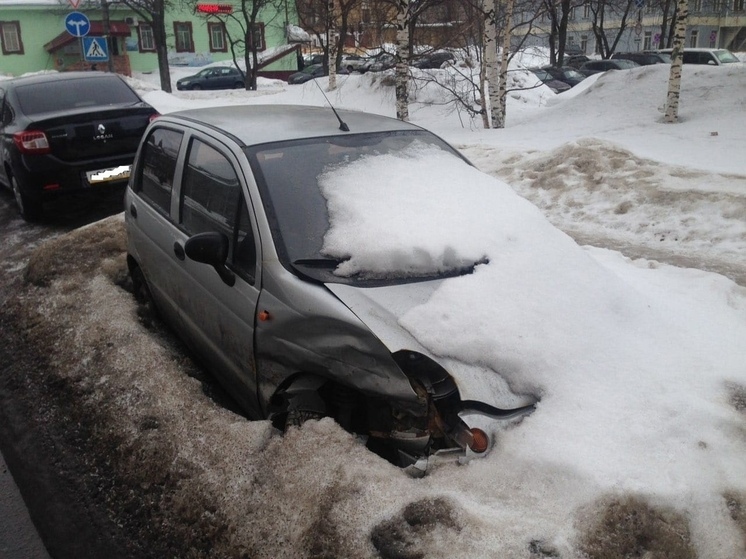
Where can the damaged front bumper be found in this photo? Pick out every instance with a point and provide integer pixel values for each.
(475, 435)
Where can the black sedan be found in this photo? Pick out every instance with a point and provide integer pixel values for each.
(307, 74)
(597, 66)
(565, 74)
(67, 132)
(216, 77)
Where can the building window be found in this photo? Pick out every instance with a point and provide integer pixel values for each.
(146, 40)
(217, 37)
(258, 36)
(586, 11)
(713, 39)
(584, 43)
(697, 6)
(11, 37)
(693, 38)
(647, 40)
(183, 34)
(738, 5)
(717, 6)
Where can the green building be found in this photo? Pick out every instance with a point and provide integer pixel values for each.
(40, 35)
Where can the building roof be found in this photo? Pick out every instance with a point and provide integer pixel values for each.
(116, 29)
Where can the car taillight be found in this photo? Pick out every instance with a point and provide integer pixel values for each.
(32, 142)
(154, 116)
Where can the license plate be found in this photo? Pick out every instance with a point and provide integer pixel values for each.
(107, 175)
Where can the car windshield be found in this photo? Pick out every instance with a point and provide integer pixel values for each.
(570, 73)
(71, 94)
(726, 57)
(288, 175)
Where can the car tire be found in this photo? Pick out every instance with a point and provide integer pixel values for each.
(196, 87)
(29, 207)
(141, 291)
(238, 85)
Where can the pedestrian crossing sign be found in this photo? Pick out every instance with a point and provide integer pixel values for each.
(95, 49)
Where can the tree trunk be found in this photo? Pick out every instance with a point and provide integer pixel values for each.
(674, 80)
(402, 62)
(159, 36)
(492, 76)
(332, 26)
(503, 91)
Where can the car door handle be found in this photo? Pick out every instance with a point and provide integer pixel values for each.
(179, 251)
(133, 211)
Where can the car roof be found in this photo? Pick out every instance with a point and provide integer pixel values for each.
(56, 76)
(260, 124)
(693, 49)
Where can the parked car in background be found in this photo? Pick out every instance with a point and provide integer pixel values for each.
(215, 77)
(307, 74)
(565, 74)
(67, 132)
(226, 214)
(713, 57)
(597, 66)
(575, 61)
(643, 58)
(380, 62)
(546, 78)
(433, 60)
(352, 63)
(313, 58)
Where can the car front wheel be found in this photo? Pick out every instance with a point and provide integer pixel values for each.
(196, 87)
(29, 207)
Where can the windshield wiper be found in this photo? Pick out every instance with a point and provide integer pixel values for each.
(322, 263)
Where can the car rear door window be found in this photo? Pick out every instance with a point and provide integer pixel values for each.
(159, 167)
(70, 94)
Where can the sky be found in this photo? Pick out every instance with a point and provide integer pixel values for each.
(639, 364)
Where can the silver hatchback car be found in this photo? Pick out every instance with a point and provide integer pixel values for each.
(225, 221)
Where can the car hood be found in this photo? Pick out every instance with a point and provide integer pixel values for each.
(380, 308)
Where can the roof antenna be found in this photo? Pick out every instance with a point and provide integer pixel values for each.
(342, 124)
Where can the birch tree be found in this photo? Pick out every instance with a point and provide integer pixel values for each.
(490, 74)
(498, 118)
(677, 56)
(402, 60)
(331, 32)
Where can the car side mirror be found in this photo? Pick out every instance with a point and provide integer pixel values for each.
(211, 248)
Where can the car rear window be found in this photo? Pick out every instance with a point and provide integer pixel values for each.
(71, 94)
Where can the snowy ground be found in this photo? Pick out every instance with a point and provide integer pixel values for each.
(639, 443)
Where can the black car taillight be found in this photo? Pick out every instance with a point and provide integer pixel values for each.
(32, 142)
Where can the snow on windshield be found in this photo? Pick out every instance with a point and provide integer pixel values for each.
(420, 211)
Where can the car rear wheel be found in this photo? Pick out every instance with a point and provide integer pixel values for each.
(29, 207)
(238, 85)
(141, 291)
